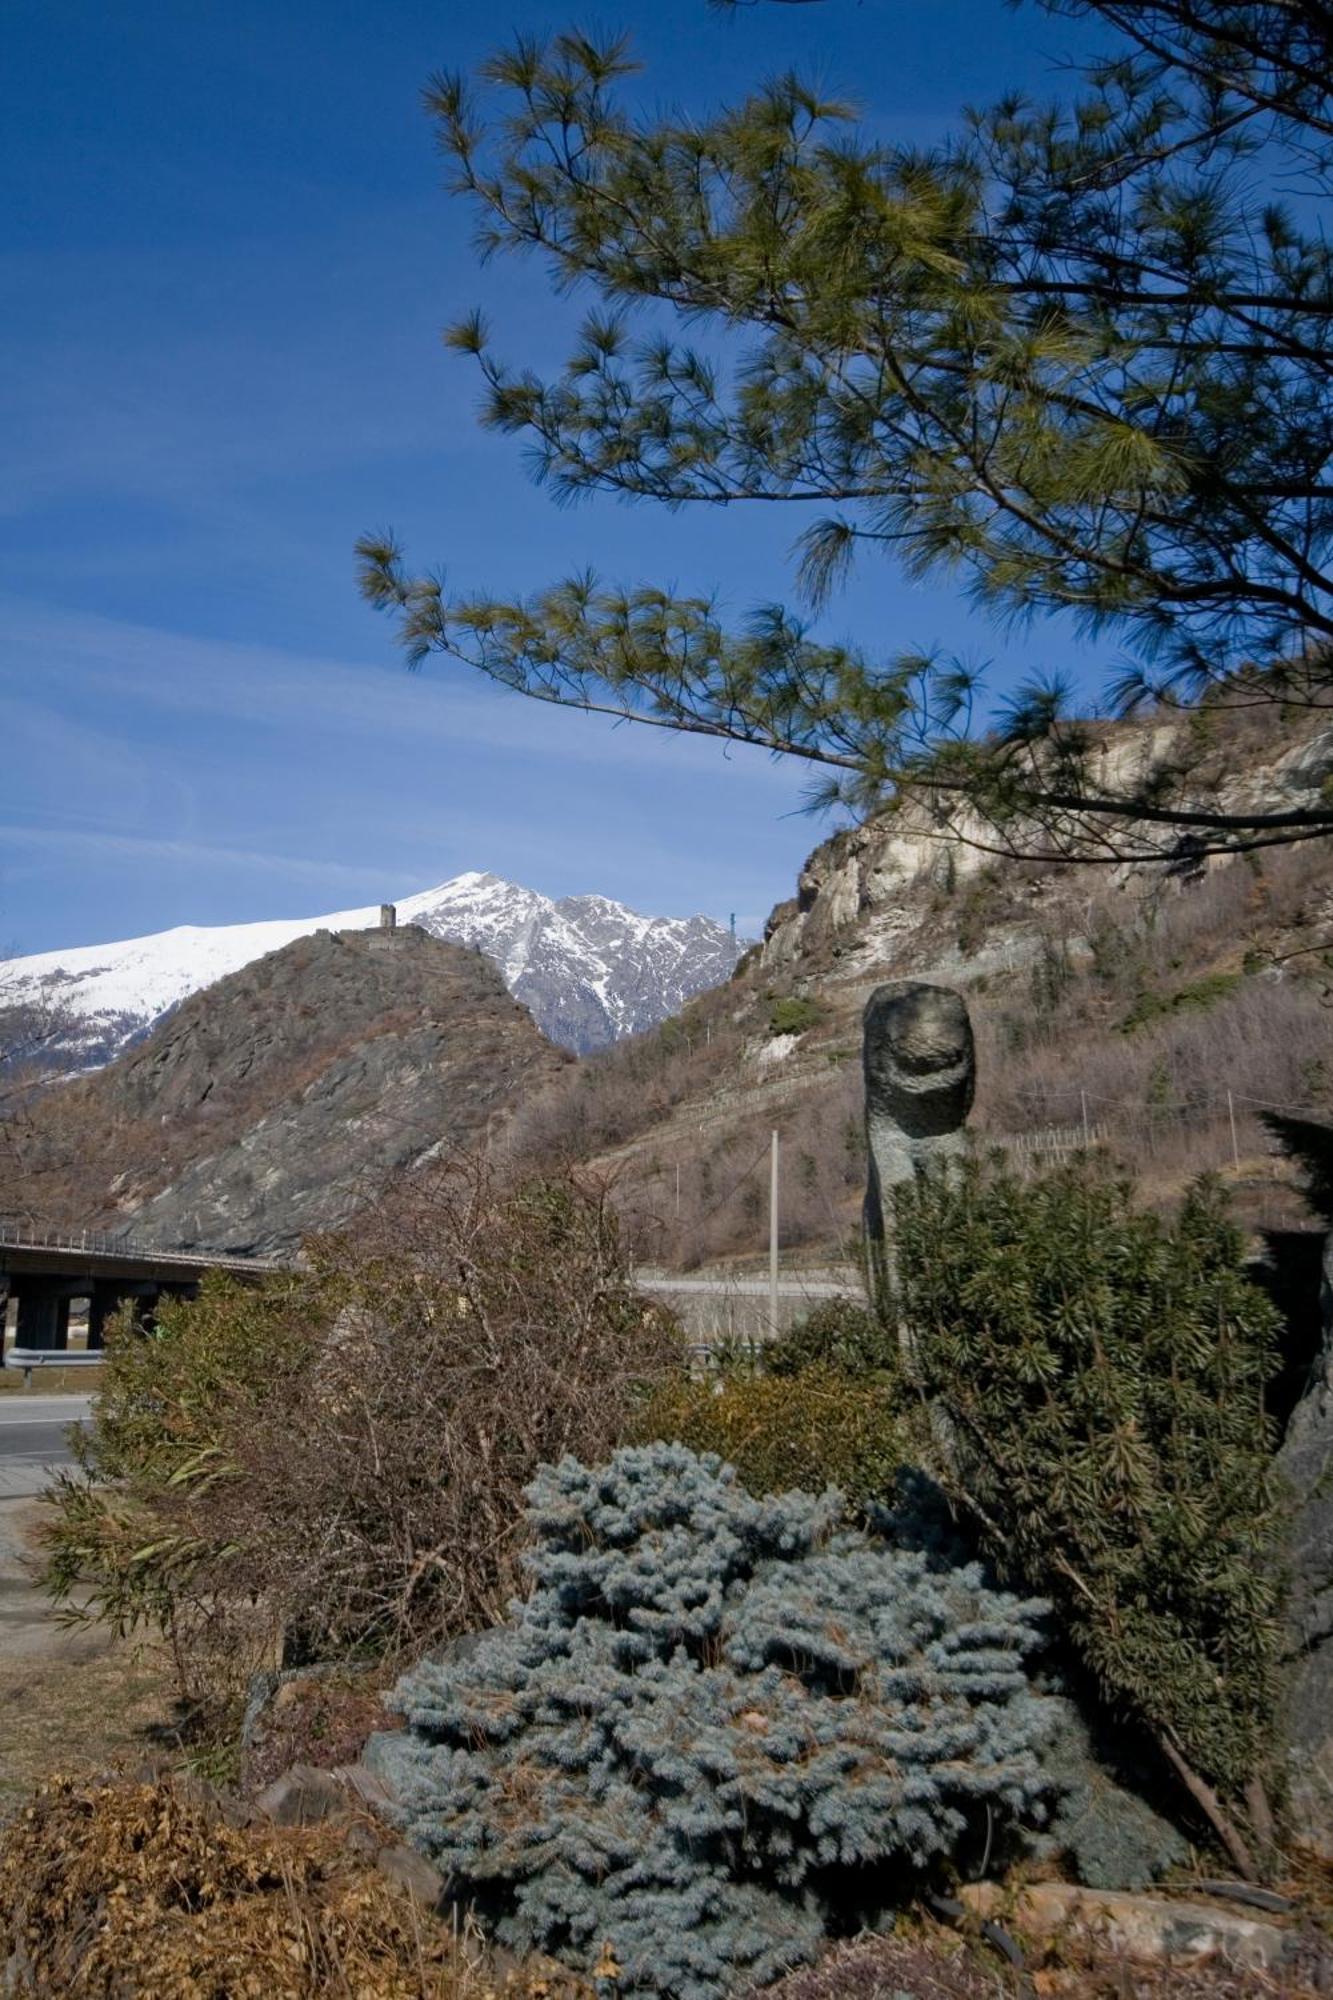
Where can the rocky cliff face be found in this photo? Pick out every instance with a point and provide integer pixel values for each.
(869, 894)
(288, 1095)
(1154, 1011)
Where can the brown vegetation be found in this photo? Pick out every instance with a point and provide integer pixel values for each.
(334, 1461)
(928, 1966)
(114, 1888)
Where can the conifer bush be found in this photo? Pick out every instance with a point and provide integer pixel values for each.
(718, 1726)
(818, 1428)
(837, 1333)
(1100, 1377)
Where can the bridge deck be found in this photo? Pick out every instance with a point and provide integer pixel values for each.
(28, 1253)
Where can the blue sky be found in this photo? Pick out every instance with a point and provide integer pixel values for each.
(226, 262)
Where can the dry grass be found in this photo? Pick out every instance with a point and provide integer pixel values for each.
(110, 1888)
(81, 1712)
(50, 1382)
(925, 1965)
(77, 1699)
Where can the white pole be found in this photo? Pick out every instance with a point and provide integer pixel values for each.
(773, 1239)
(1231, 1114)
(1083, 1099)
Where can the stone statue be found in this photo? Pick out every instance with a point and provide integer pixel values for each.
(920, 1078)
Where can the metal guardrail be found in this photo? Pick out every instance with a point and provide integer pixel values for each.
(749, 1288)
(22, 1236)
(54, 1357)
(28, 1358)
(102, 1243)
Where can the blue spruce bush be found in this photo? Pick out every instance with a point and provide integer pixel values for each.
(716, 1723)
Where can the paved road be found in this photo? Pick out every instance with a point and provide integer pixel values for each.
(32, 1439)
(753, 1288)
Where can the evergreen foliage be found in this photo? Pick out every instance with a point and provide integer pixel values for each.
(715, 1719)
(1103, 1829)
(821, 1427)
(1101, 1376)
(1081, 353)
(839, 1334)
(792, 1014)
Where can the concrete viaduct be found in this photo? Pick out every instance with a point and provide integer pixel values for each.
(43, 1274)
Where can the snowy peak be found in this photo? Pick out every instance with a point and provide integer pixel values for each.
(590, 970)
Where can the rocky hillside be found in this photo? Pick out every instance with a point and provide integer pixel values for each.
(1156, 1013)
(285, 1096)
(588, 969)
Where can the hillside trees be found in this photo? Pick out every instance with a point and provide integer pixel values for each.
(1080, 355)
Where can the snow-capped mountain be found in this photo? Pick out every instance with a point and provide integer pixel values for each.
(589, 970)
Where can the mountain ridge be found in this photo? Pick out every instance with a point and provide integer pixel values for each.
(589, 970)
(281, 1099)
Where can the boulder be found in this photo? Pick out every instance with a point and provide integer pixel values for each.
(302, 1797)
(411, 1872)
(1158, 1929)
(1306, 1465)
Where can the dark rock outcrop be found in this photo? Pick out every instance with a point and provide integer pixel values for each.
(1306, 1465)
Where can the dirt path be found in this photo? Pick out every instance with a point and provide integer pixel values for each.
(71, 1698)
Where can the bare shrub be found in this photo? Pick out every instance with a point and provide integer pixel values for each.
(1161, 1093)
(356, 1484)
(485, 1328)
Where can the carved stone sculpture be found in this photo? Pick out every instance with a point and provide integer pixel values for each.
(920, 1078)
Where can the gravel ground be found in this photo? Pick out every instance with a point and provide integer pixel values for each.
(72, 1697)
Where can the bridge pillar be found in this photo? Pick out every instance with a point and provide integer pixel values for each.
(110, 1294)
(105, 1299)
(43, 1311)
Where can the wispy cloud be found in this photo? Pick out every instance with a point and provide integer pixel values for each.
(81, 844)
(443, 706)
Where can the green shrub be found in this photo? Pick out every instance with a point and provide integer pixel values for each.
(1102, 1376)
(815, 1429)
(792, 1015)
(1195, 998)
(131, 1536)
(839, 1334)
